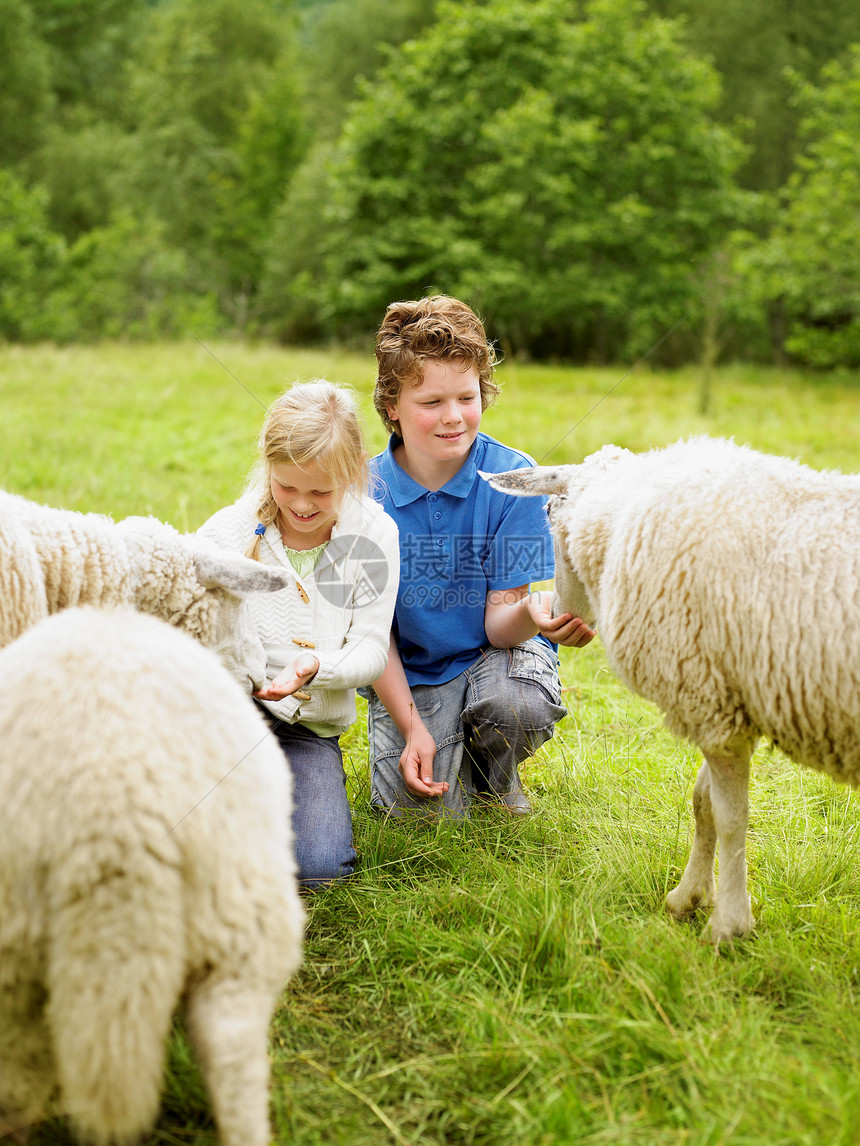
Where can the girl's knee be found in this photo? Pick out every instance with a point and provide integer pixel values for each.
(323, 861)
(314, 876)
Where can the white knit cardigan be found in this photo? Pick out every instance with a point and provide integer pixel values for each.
(342, 612)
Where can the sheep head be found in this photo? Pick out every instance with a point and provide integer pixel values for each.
(555, 481)
(200, 588)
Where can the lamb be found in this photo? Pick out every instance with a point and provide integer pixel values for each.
(726, 586)
(51, 559)
(145, 855)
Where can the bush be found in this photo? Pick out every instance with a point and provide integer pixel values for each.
(564, 173)
(810, 265)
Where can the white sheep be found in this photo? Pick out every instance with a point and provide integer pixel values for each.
(53, 558)
(725, 584)
(145, 855)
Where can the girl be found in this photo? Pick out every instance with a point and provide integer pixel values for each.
(306, 507)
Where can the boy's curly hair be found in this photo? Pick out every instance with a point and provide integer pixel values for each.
(437, 328)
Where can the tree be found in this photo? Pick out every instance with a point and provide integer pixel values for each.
(25, 83)
(88, 45)
(32, 260)
(217, 134)
(123, 280)
(810, 265)
(756, 47)
(348, 42)
(562, 171)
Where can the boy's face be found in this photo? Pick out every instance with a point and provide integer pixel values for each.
(440, 417)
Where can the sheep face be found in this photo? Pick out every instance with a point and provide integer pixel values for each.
(201, 589)
(556, 481)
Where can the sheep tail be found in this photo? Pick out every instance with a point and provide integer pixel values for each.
(115, 973)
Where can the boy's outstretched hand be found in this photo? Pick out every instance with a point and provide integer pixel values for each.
(416, 764)
(563, 630)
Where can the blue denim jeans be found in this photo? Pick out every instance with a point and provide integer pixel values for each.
(322, 822)
(484, 721)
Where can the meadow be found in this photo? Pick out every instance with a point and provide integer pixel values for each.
(511, 982)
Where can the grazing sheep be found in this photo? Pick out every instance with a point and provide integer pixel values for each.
(145, 855)
(53, 558)
(726, 587)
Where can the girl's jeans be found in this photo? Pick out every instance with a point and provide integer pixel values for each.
(322, 823)
(484, 721)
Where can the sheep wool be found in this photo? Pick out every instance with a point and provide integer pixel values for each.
(725, 584)
(145, 856)
(23, 600)
(51, 559)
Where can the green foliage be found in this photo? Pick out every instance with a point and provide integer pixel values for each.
(194, 78)
(32, 257)
(568, 165)
(88, 43)
(755, 48)
(25, 82)
(83, 164)
(203, 62)
(347, 42)
(564, 174)
(289, 305)
(124, 280)
(811, 263)
(270, 142)
(218, 133)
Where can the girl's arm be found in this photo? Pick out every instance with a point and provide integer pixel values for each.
(362, 657)
(512, 616)
(416, 760)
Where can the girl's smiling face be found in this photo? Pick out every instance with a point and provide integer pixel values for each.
(439, 418)
(307, 501)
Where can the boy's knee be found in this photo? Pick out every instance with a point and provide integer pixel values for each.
(517, 689)
(521, 739)
(527, 711)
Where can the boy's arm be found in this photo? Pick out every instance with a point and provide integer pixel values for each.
(416, 760)
(512, 616)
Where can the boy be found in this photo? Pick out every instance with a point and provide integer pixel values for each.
(471, 687)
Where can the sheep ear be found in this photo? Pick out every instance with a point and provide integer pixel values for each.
(238, 574)
(531, 482)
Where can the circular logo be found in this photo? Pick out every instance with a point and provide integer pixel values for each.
(352, 571)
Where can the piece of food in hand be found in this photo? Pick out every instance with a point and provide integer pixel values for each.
(305, 662)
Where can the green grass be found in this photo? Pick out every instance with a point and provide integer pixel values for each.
(503, 983)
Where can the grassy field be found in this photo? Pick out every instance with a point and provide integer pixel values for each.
(507, 983)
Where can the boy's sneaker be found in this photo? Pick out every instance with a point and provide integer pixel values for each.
(516, 803)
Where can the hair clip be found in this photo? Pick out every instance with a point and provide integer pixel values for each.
(260, 530)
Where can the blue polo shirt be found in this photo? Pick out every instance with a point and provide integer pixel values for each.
(456, 544)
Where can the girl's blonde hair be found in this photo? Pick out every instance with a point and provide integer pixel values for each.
(313, 421)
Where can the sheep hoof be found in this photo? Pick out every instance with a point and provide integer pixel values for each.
(726, 927)
(682, 902)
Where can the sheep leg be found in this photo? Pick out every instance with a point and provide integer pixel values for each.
(732, 916)
(27, 1074)
(697, 887)
(115, 972)
(228, 1022)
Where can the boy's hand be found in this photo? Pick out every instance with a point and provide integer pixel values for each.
(290, 680)
(416, 765)
(564, 630)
